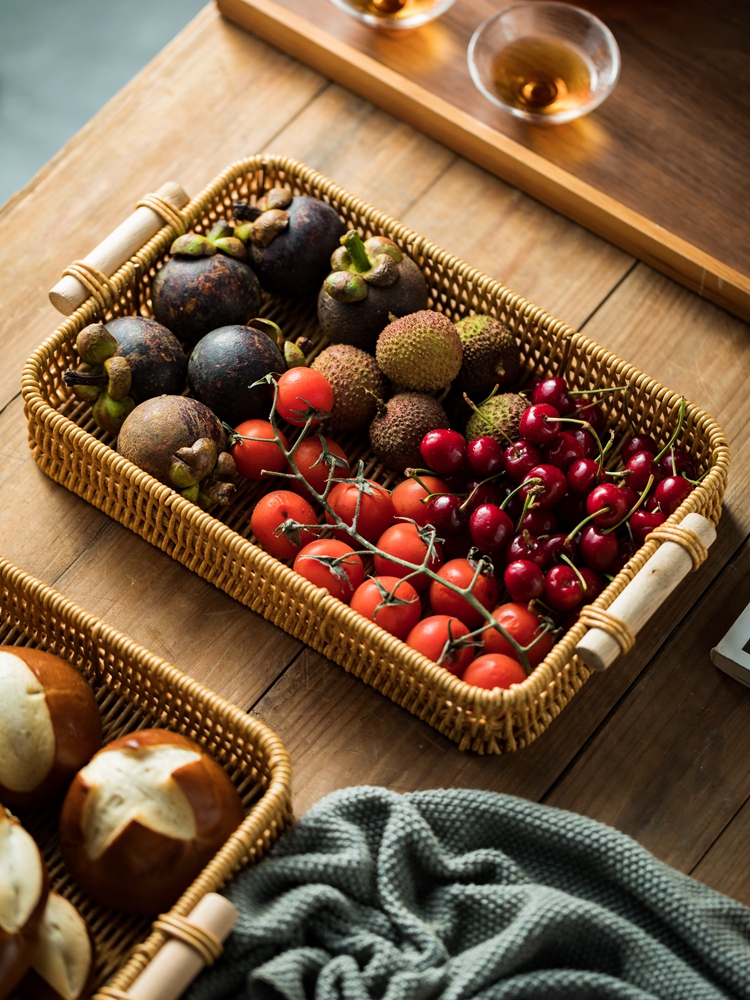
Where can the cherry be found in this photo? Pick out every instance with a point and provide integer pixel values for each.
(546, 483)
(514, 506)
(570, 511)
(563, 450)
(562, 588)
(591, 412)
(539, 522)
(554, 392)
(445, 514)
(642, 522)
(539, 423)
(671, 492)
(586, 441)
(523, 580)
(598, 551)
(490, 528)
(583, 476)
(607, 504)
(443, 450)
(456, 482)
(520, 458)
(624, 552)
(523, 546)
(478, 493)
(677, 462)
(630, 495)
(554, 546)
(484, 457)
(638, 442)
(641, 468)
(594, 584)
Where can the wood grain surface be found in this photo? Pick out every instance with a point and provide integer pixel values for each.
(658, 169)
(658, 745)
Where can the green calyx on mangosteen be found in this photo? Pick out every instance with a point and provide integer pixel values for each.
(289, 240)
(205, 284)
(226, 364)
(294, 352)
(180, 442)
(126, 361)
(369, 281)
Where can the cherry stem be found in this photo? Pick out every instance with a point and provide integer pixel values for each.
(675, 432)
(633, 509)
(575, 569)
(528, 502)
(584, 522)
(596, 392)
(540, 485)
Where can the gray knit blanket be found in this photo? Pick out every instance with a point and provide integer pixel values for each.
(462, 894)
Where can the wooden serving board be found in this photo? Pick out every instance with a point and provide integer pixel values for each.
(660, 169)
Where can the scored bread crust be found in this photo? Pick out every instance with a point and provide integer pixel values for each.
(141, 870)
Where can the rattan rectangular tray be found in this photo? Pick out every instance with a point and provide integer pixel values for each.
(137, 690)
(70, 450)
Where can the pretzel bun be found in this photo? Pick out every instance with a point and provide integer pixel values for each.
(23, 895)
(144, 817)
(62, 965)
(51, 726)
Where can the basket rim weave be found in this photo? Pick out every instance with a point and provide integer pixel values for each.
(492, 704)
(271, 812)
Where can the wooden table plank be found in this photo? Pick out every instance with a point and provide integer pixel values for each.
(670, 766)
(673, 117)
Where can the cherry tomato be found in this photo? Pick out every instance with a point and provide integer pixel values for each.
(398, 619)
(494, 670)
(430, 636)
(308, 457)
(525, 626)
(408, 497)
(255, 457)
(375, 509)
(340, 579)
(302, 391)
(403, 541)
(271, 512)
(446, 602)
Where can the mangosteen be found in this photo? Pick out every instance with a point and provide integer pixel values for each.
(224, 366)
(289, 240)
(205, 284)
(125, 362)
(370, 283)
(180, 442)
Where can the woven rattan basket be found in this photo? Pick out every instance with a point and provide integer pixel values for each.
(137, 690)
(69, 449)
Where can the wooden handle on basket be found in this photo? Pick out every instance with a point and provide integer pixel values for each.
(177, 963)
(612, 632)
(145, 222)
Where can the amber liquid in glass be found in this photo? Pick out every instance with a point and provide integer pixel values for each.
(542, 75)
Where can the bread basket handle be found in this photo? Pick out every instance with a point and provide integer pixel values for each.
(90, 276)
(613, 631)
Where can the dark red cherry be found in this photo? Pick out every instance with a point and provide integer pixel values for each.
(586, 441)
(641, 468)
(643, 522)
(519, 458)
(539, 522)
(624, 552)
(484, 457)
(608, 504)
(523, 580)
(638, 442)
(546, 483)
(562, 588)
(570, 511)
(490, 528)
(630, 495)
(671, 492)
(591, 412)
(563, 450)
(443, 450)
(523, 546)
(554, 392)
(445, 514)
(555, 546)
(583, 476)
(539, 424)
(677, 462)
(597, 550)
(594, 584)
(478, 493)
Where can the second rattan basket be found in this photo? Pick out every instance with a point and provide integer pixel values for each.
(137, 690)
(68, 448)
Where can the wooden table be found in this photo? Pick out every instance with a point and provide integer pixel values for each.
(659, 745)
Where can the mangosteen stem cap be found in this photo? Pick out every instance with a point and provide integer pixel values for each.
(360, 260)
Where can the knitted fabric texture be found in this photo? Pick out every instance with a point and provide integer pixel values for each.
(462, 894)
